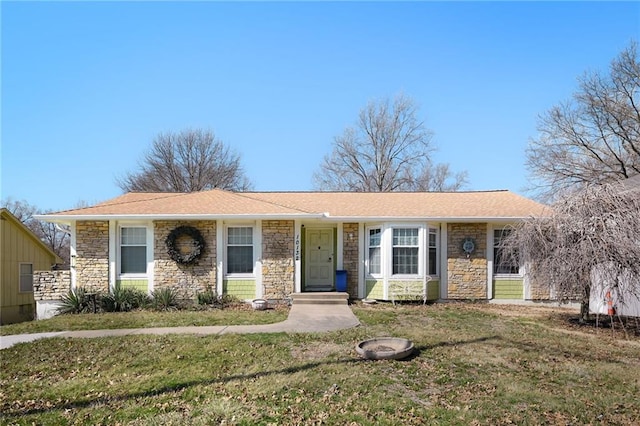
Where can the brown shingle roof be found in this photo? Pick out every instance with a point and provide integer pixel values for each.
(486, 204)
(356, 205)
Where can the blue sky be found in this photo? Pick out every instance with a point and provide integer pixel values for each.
(86, 86)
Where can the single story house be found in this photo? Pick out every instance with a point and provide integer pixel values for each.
(436, 245)
(21, 253)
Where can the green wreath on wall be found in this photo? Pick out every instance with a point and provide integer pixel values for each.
(197, 242)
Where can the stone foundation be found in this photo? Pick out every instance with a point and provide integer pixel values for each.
(48, 289)
(51, 285)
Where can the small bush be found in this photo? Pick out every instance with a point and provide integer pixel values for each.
(75, 302)
(226, 300)
(209, 297)
(164, 299)
(124, 299)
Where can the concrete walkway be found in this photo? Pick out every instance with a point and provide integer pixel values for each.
(301, 319)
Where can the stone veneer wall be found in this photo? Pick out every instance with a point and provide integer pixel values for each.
(277, 258)
(186, 280)
(350, 257)
(51, 285)
(467, 276)
(92, 250)
(539, 291)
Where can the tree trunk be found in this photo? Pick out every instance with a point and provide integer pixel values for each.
(584, 304)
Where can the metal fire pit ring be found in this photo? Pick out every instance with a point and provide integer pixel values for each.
(385, 348)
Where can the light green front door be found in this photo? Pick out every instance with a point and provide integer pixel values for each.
(319, 260)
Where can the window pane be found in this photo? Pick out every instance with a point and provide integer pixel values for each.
(405, 260)
(433, 252)
(433, 261)
(374, 237)
(133, 259)
(239, 259)
(242, 236)
(134, 236)
(405, 237)
(26, 277)
(432, 239)
(374, 260)
(502, 265)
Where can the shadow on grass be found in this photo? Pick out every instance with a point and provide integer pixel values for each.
(420, 349)
(70, 405)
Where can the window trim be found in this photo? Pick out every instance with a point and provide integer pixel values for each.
(20, 275)
(419, 246)
(148, 244)
(226, 272)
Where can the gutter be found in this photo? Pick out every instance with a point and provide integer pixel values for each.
(325, 217)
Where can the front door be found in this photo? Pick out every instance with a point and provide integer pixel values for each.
(319, 260)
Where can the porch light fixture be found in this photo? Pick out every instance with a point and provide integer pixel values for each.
(468, 246)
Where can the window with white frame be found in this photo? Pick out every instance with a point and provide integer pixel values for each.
(133, 250)
(240, 250)
(501, 263)
(406, 246)
(433, 251)
(375, 238)
(26, 277)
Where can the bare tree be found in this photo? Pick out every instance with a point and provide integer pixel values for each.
(594, 137)
(591, 235)
(389, 149)
(56, 237)
(188, 161)
(440, 178)
(21, 209)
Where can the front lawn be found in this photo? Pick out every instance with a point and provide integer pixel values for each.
(474, 364)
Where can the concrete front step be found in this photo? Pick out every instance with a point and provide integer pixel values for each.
(320, 298)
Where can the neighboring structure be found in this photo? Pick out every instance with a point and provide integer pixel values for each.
(22, 253)
(271, 244)
(603, 299)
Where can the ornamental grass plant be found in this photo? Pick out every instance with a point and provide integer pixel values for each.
(124, 299)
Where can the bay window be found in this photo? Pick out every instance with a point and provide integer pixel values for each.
(401, 251)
